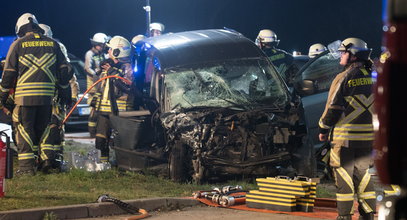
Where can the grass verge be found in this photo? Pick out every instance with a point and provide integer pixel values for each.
(79, 187)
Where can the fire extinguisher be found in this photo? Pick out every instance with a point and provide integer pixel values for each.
(6, 162)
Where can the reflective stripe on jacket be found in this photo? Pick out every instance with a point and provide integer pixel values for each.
(349, 106)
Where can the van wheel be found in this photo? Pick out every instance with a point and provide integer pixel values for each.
(178, 162)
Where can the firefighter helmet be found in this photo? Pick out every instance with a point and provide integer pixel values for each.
(357, 47)
(99, 38)
(120, 46)
(157, 26)
(267, 36)
(316, 49)
(137, 38)
(25, 19)
(47, 30)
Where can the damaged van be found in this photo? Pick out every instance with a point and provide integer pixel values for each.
(212, 107)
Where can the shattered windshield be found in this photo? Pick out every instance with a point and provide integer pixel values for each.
(235, 83)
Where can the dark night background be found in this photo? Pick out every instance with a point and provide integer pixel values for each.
(298, 23)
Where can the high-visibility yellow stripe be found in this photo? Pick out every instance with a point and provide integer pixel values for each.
(364, 71)
(270, 194)
(354, 138)
(284, 191)
(334, 157)
(367, 195)
(345, 176)
(268, 198)
(269, 202)
(31, 70)
(305, 204)
(22, 94)
(363, 183)
(322, 125)
(366, 206)
(396, 190)
(281, 186)
(25, 156)
(25, 135)
(345, 197)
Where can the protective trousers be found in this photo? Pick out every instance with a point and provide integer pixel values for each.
(32, 127)
(54, 140)
(352, 177)
(103, 132)
(92, 120)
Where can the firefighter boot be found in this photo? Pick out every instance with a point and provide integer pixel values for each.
(46, 166)
(366, 216)
(344, 217)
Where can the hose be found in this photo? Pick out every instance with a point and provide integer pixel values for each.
(87, 91)
(125, 206)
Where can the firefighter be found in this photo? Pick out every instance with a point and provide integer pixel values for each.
(156, 29)
(112, 94)
(55, 139)
(93, 57)
(316, 49)
(347, 120)
(35, 67)
(283, 61)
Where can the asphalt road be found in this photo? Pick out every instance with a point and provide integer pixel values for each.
(208, 213)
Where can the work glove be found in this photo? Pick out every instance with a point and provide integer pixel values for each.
(93, 102)
(3, 97)
(64, 96)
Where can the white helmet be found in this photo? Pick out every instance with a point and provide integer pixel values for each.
(157, 26)
(47, 30)
(316, 49)
(137, 38)
(99, 38)
(121, 47)
(357, 47)
(267, 36)
(25, 19)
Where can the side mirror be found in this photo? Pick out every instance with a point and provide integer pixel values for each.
(306, 87)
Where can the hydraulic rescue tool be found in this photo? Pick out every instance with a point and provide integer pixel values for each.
(86, 92)
(222, 196)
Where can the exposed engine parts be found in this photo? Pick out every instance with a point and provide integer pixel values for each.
(229, 141)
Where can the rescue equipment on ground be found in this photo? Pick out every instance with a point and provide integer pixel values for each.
(283, 194)
(6, 162)
(87, 91)
(225, 196)
(125, 206)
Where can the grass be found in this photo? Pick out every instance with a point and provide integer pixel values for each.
(79, 187)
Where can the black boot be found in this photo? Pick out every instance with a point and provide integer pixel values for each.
(344, 217)
(46, 166)
(366, 216)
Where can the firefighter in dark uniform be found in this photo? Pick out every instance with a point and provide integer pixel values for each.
(283, 61)
(55, 139)
(35, 67)
(347, 120)
(93, 58)
(112, 94)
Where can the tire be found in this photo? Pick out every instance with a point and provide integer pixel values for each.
(178, 163)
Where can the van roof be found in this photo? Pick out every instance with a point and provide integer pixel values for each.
(183, 48)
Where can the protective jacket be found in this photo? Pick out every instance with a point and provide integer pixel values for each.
(349, 107)
(35, 66)
(93, 58)
(348, 115)
(283, 62)
(113, 94)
